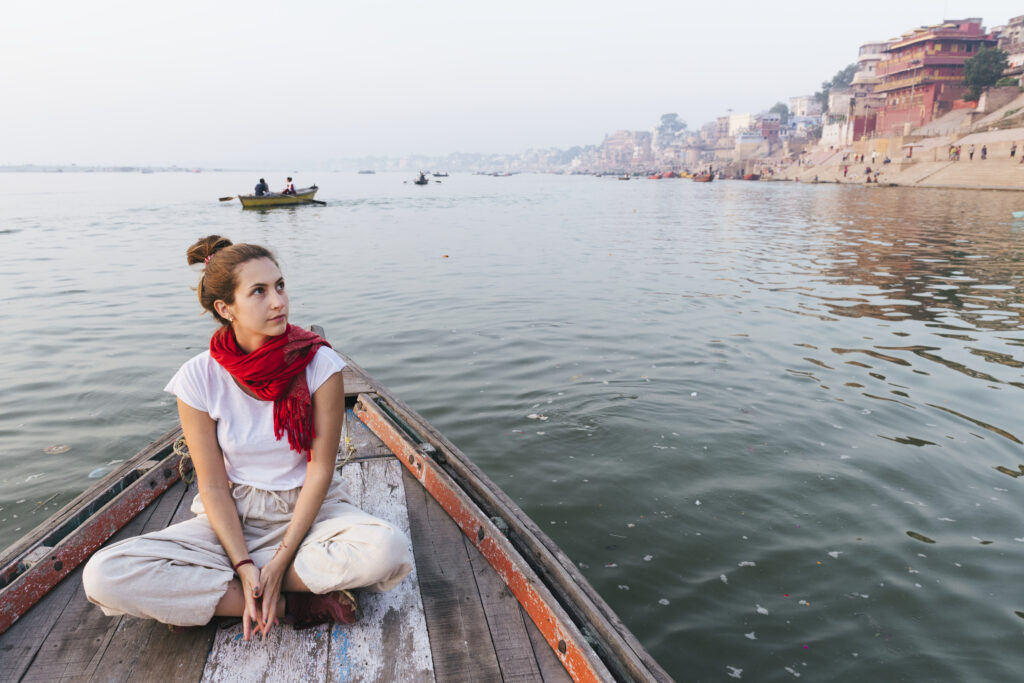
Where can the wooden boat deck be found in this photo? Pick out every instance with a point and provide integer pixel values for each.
(452, 619)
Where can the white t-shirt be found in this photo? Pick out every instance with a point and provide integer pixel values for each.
(245, 425)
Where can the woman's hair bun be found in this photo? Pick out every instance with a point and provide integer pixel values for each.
(204, 248)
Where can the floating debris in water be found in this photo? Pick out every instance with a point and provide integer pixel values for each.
(835, 554)
(761, 610)
(57, 449)
(733, 671)
(623, 587)
(946, 519)
(724, 579)
(920, 537)
(698, 502)
(750, 635)
(663, 601)
(536, 416)
(747, 563)
(98, 472)
(33, 476)
(610, 565)
(648, 558)
(630, 525)
(796, 674)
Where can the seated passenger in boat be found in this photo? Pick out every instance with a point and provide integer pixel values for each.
(261, 188)
(289, 187)
(276, 536)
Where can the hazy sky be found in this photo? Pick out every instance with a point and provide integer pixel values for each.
(274, 83)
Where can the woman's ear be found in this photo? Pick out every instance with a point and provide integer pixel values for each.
(222, 309)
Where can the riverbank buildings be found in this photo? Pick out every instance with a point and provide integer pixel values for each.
(922, 73)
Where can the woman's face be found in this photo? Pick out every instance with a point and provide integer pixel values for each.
(260, 309)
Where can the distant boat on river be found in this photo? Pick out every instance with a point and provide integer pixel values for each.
(301, 196)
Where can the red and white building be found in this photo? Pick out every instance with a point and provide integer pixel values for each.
(922, 73)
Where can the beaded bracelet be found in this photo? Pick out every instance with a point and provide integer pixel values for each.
(247, 560)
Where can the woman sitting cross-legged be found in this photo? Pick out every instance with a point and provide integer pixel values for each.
(275, 537)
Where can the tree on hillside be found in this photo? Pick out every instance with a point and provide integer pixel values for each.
(842, 79)
(782, 110)
(671, 123)
(983, 70)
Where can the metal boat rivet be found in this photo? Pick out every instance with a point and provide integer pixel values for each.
(167, 473)
(58, 565)
(479, 534)
(562, 647)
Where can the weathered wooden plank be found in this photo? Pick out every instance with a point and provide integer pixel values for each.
(366, 444)
(505, 622)
(20, 644)
(284, 655)
(390, 642)
(460, 641)
(355, 381)
(79, 628)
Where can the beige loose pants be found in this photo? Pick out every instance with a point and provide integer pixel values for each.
(179, 574)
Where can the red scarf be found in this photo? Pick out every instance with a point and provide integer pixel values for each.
(276, 372)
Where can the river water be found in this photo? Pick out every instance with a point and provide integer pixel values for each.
(777, 425)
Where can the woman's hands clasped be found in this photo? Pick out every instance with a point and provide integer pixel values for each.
(261, 588)
(252, 591)
(271, 580)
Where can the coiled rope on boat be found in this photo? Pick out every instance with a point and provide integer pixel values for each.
(180, 449)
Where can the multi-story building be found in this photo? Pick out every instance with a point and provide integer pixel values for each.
(1011, 41)
(804, 105)
(923, 74)
(768, 125)
(626, 149)
(739, 123)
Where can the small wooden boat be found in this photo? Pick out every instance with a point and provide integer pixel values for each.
(441, 175)
(751, 176)
(703, 177)
(302, 196)
(624, 177)
(491, 596)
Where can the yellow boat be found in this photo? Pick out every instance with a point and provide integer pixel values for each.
(302, 196)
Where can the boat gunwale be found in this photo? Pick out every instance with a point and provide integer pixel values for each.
(100, 512)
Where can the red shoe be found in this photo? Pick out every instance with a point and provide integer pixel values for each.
(304, 610)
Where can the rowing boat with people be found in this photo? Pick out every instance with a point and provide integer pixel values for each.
(302, 196)
(491, 597)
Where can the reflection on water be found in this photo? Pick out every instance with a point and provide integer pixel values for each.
(776, 425)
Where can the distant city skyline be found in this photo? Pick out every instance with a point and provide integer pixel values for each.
(261, 84)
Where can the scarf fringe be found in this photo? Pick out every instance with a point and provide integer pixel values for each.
(295, 417)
